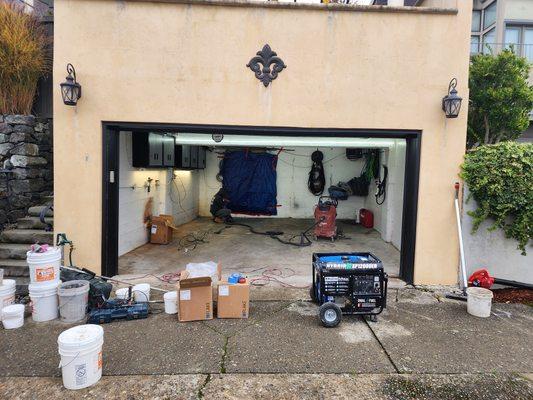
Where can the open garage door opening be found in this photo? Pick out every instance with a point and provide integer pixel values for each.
(259, 203)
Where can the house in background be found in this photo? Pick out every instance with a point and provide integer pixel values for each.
(500, 24)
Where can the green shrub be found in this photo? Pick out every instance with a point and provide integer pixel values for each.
(500, 178)
(22, 58)
(500, 98)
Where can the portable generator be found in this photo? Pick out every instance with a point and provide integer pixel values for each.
(325, 218)
(348, 283)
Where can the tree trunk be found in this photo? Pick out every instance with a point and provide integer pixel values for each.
(487, 129)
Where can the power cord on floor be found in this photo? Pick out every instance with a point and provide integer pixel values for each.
(190, 241)
(304, 240)
(274, 275)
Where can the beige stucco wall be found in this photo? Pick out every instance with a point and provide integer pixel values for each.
(185, 63)
(518, 10)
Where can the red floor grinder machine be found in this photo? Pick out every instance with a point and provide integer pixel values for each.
(325, 218)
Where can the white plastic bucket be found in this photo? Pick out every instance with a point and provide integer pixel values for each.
(44, 267)
(13, 316)
(7, 293)
(479, 301)
(80, 349)
(122, 294)
(171, 302)
(44, 301)
(73, 298)
(141, 292)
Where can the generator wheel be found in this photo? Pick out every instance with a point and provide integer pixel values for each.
(330, 315)
(312, 294)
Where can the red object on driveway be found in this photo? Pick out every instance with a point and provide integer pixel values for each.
(366, 218)
(481, 278)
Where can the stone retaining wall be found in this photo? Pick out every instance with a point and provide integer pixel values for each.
(26, 164)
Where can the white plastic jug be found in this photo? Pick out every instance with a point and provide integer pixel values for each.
(44, 267)
(13, 316)
(44, 301)
(171, 302)
(141, 292)
(479, 301)
(7, 293)
(80, 348)
(73, 299)
(122, 293)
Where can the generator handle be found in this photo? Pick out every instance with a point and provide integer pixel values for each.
(332, 201)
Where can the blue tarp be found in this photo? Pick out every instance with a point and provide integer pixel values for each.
(249, 179)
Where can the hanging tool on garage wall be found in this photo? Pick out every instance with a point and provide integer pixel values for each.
(317, 179)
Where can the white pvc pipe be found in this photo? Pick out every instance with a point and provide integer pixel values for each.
(461, 248)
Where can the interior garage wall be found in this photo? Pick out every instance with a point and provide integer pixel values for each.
(294, 198)
(183, 194)
(388, 216)
(178, 197)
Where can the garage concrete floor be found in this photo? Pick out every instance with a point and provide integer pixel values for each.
(238, 250)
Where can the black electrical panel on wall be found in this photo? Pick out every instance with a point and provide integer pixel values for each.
(189, 157)
(152, 150)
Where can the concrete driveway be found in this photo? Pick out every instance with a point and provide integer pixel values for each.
(421, 347)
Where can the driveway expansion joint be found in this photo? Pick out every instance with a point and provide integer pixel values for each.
(382, 346)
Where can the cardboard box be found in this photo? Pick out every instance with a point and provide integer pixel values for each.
(195, 299)
(233, 300)
(160, 231)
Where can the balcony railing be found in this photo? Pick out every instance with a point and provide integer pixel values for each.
(521, 49)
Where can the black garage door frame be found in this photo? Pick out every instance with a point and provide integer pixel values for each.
(110, 176)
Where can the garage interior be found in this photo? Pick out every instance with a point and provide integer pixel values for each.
(188, 175)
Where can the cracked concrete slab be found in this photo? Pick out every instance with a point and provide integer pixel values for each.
(280, 386)
(292, 340)
(367, 387)
(412, 295)
(156, 345)
(258, 310)
(183, 387)
(286, 337)
(443, 338)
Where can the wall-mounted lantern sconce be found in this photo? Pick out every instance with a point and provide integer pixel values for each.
(217, 137)
(70, 90)
(451, 103)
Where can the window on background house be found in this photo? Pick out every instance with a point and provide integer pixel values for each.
(489, 15)
(512, 38)
(474, 44)
(528, 44)
(476, 21)
(488, 42)
(521, 39)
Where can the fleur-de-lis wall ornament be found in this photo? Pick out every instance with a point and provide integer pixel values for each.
(266, 65)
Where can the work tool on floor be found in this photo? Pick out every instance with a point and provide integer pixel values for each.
(462, 266)
(348, 283)
(482, 278)
(117, 309)
(325, 218)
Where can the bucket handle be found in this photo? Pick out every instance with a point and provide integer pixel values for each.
(74, 359)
